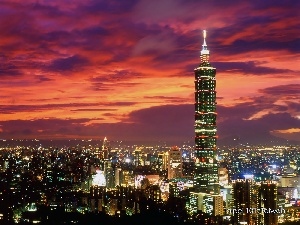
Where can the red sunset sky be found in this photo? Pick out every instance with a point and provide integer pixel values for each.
(124, 69)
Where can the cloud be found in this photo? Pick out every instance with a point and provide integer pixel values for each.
(249, 67)
(8, 72)
(8, 68)
(113, 7)
(146, 124)
(171, 123)
(288, 131)
(42, 78)
(289, 90)
(111, 58)
(93, 110)
(115, 76)
(154, 44)
(68, 64)
(288, 134)
(168, 99)
(255, 131)
(9, 109)
(40, 127)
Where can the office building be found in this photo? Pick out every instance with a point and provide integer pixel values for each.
(175, 163)
(206, 170)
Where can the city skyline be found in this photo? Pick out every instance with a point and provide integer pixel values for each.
(125, 69)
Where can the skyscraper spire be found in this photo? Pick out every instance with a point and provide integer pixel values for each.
(204, 52)
(204, 41)
(204, 46)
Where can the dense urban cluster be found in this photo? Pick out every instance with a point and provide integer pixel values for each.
(97, 181)
(110, 181)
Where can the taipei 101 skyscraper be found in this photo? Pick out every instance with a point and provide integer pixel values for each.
(206, 169)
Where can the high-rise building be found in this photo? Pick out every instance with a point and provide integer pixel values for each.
(207, 203)
(244, 195)
(255, 203)
(268, 195)
(96, 198)
(105, 149)
(223, 176)
(218, 206)
(206, 170)
(163, 160)
(137, 157)
(109, 174)
(175, 163)
(103, 152)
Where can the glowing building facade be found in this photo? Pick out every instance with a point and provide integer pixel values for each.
(255, 203)
(175, 163)
(105, 149)
(206, 170)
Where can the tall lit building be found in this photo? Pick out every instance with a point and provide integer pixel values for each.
(206, 170)
(268, 197)
(105, 149)
(137, 157)
(255, 203)
(245, 194)
(175, 163)
(207, 203)
(223, 176)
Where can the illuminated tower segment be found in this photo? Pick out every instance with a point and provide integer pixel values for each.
(105, 149)
(206, 170)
